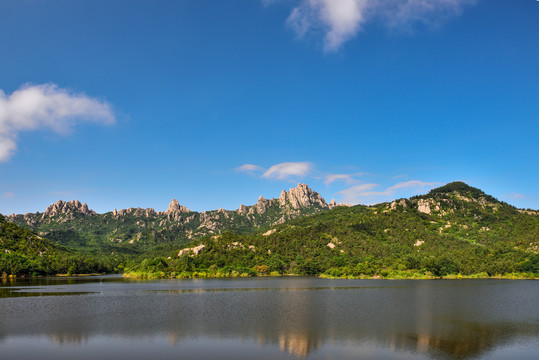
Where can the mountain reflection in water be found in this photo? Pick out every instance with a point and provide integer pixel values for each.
(298, 317)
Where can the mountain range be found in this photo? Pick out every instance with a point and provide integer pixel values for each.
(73, 224)
(454, 229)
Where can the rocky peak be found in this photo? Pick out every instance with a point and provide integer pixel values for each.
(261, 204)
(302, 196)
(282, 198)
(175, 207)
(242, 210)
(69, 207)
(175, 210)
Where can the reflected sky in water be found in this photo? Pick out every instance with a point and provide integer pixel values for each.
(273, 318)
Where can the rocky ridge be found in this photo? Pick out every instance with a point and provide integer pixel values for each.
(136, 224)
(67, 207)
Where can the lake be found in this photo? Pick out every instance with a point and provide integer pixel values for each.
(110, 317)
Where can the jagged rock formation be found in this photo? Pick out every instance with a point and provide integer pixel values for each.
(138, 212)
(242, 210)
(63, 207)
(175, 210)
(297, 198)
(303, 196)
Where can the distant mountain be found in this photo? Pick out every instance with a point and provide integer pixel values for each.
(74, 225)
(453, 229)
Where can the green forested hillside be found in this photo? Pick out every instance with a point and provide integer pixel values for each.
(24, 253)
(455, 229)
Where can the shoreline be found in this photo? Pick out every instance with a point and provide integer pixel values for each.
(204, 275)
(195, 275)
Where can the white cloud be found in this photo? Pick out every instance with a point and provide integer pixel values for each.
(250, 168)
(33, 107)
(364, 194)
(286, 170)
(341, 20)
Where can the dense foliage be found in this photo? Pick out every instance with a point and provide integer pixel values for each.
(463, 233)
(24, 253)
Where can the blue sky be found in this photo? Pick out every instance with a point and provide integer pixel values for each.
(133, 103)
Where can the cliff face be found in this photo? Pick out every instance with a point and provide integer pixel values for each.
(177, 222)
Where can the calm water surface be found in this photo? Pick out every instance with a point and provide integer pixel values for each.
(268, 318)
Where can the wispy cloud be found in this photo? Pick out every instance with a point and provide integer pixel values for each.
(356, 193)
(346, 178)
(411, 184)
(63, 193)
(364, 193)
(405, 13)
(282, 171)
(341, 20)
(33, 107)
(518, 196)
(250, 168)
(400, 176)
(9, 195)
(287, 170)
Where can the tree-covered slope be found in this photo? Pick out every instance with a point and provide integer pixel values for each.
(25, 253)
(455, 229)
(14, 239)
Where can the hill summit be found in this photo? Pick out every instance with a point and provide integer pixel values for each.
(463, 189)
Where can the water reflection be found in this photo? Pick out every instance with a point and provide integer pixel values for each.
(301, 318)
(70, 338)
